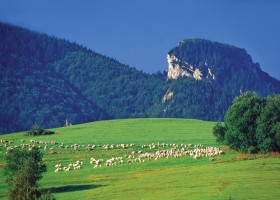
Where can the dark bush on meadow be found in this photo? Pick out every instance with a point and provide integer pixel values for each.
(219, 132)
(38, 130)
(252, 124)
(47, 132)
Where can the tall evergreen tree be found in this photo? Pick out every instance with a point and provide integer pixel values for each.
(24, 169)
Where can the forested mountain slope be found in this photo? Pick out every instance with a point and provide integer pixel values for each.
(205, 76)
(31, 90)
(45, 80)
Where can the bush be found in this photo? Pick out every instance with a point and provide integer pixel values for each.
(47, 132)
(38, 130)
(268, 125)
(240, 121)
(219, 132)
(252, 124)
(47, 196)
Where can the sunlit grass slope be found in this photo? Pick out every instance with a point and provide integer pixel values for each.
(230, 176)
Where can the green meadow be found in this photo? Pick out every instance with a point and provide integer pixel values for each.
(231, 175)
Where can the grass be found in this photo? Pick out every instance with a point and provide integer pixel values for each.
(231, 176)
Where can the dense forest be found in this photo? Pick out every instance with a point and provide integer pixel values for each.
(46, 81)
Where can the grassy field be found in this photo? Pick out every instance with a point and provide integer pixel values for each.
(230, 176)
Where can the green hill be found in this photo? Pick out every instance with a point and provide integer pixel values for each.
(45, 80)
(228, 176)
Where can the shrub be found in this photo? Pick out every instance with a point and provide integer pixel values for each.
(268, 125)
(240, 122)
(251, 124)
(219, 132)
(38, 130)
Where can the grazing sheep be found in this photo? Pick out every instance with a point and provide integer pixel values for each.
(67, 169)
(175, 151)
(58, 169)
(58, 166)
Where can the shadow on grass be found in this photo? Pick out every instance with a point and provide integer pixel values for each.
(72, 188)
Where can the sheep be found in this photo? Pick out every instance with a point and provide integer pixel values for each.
(121, 146)
(58, 169)
(175, 151)
(58, 166)
(76, 166)
(76, 146)
(67, 169)
(95, 166)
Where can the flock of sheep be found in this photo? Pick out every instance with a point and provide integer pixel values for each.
(148, 152)
(76, 165)
(175, 151)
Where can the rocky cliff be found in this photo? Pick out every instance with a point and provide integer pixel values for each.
(202, 59)
(178, 68)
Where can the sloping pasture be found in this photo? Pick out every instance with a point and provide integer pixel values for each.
(226, 176)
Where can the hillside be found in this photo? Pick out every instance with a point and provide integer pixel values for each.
(222, 64)
(45, 80)
(205, 77)
(226, 176)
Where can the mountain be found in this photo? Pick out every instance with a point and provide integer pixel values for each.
(47, 81)
(212, 61)
(205, 76)
(31, 91)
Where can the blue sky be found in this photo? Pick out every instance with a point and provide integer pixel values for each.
(141, 32)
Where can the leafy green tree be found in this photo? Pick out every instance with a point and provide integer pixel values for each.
(219, 132)
(251, 124)
(240, 122)
(24, 169)
(277, 135)
(268, 125)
